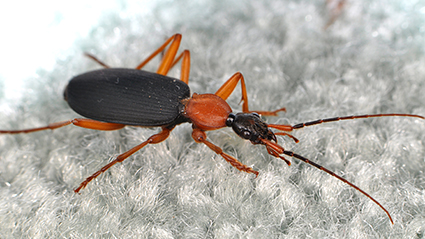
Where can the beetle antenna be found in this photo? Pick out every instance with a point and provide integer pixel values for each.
(321, 121)
(275, 150)
(305, 160)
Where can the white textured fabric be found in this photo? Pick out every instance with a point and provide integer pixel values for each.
(370, 60)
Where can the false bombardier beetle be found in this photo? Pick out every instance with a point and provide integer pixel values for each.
(112, 98)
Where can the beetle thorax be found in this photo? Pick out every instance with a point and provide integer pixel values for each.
(207, 111)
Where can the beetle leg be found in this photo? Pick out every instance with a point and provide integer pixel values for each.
(229, 86)
(50, 126)
(96, 125)
(269, 113)
(275, 154)
(275, 150)
(96, 60)
(168, 61)
(169, 56)
(201, 137)
(154, 139)
(185, 67)
(283, 127)
(84, 123)
(289, 135)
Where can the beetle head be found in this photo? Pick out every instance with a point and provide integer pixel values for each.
(250, 126)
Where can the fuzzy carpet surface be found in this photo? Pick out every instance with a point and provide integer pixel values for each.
(370, 59)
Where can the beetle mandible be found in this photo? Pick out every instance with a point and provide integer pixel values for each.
(112, 98)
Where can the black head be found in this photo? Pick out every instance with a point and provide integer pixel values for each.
(250, 126)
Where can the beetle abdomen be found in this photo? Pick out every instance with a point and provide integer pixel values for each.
(127, 96)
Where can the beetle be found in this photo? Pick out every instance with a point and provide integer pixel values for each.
(113, 98)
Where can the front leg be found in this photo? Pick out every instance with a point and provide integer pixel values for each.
(201, 137)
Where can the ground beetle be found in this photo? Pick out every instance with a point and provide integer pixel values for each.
(112, 98)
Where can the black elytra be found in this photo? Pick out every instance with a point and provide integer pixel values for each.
(128, 96)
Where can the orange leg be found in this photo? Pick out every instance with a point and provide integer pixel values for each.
(229, 86)
(275, 154)
(154, 139)
(201, 137)
(289, 135)
(169, 55)
(282, 127)
(84, 123)
(169, 59)
(185, 67)
(274, 149)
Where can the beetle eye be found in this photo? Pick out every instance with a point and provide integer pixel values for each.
(230, 119)
(246, 134)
